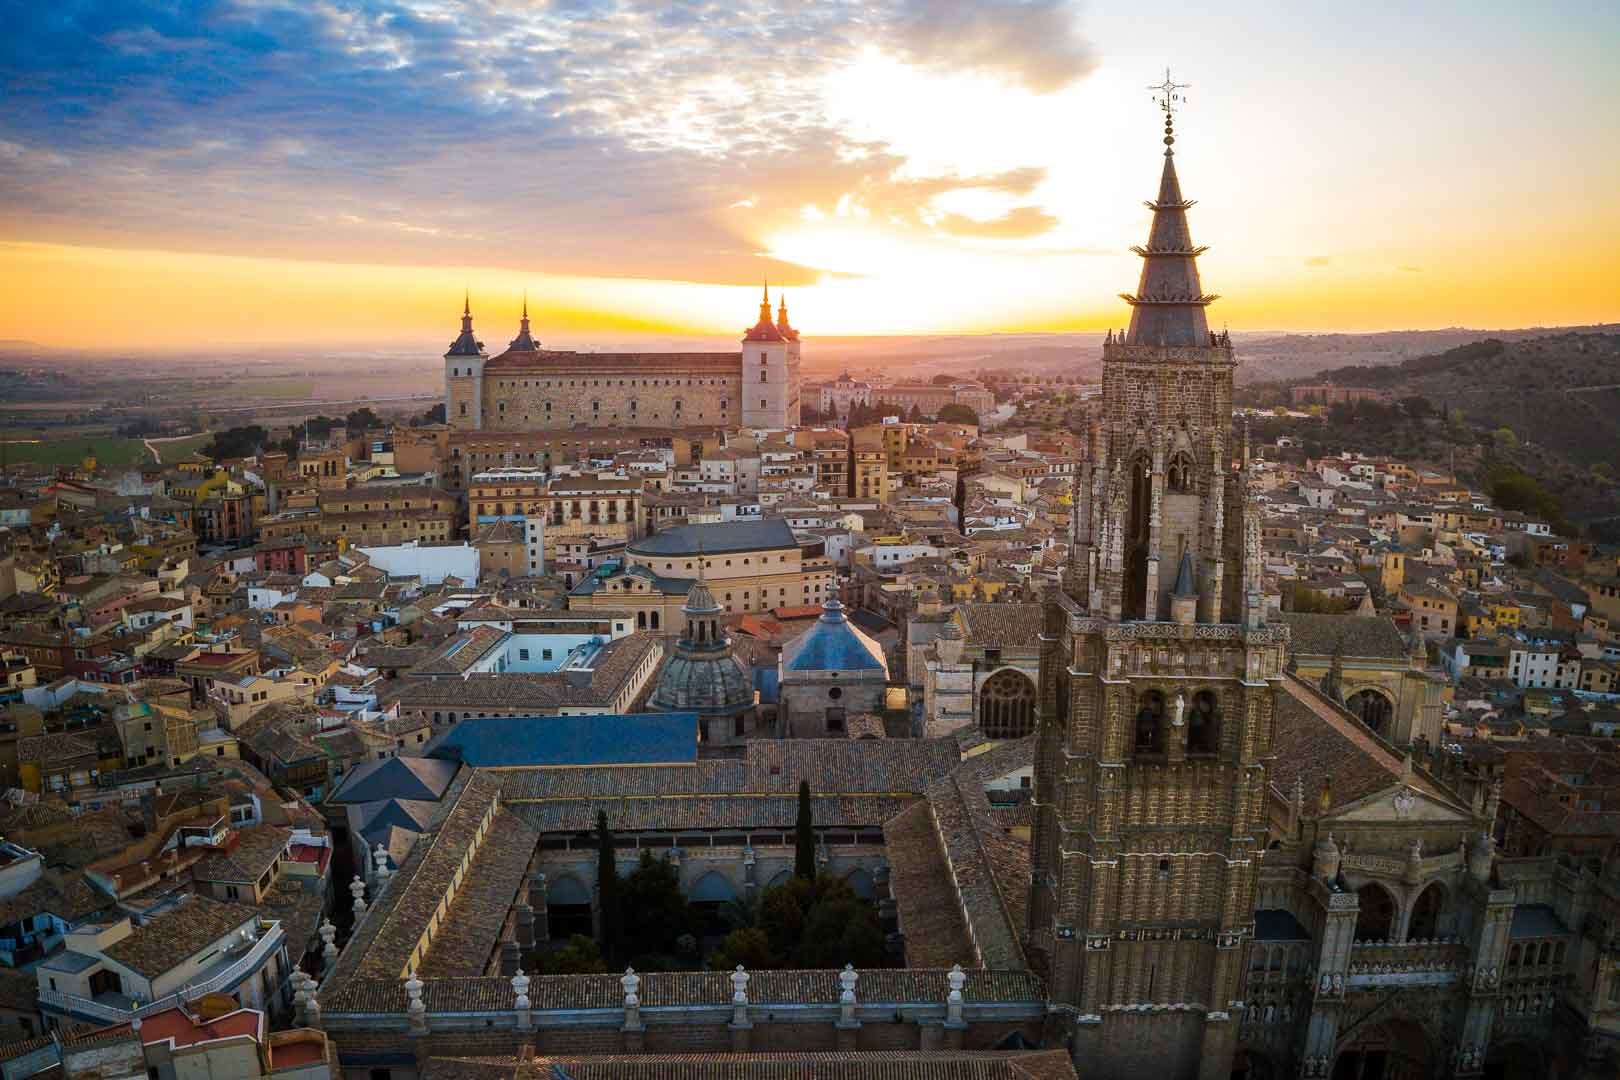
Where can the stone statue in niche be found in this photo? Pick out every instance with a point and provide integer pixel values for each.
(1180, 708)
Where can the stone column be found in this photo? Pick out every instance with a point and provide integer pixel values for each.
(1333, 960)
(848, 1027)
(955, 1024)
(523, 926)
(542, 915)
(521, 1003)
(415, 1007)
(887, 909)
(635, 1033)
(740, 1025)
(511, 957)
(750, 870)
(381, 874)
(312, 1009)
(329, 950)
(357, 889)
(1488, 961)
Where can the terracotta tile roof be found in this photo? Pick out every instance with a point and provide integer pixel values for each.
(56, 748)
(990, 870)
(614, 664)
(257, 849)
(66, 895)
(929, 912)
(854, 784)
(461, 652)
(1352, 635)
(823, 1065)
(473, 924)
(1318, 740)
(389, 934)
(177, 934)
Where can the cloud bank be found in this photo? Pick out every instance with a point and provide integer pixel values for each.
(578, 136)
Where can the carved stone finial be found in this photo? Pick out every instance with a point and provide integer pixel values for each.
(631, 983)
(956, 978)
(520, 988)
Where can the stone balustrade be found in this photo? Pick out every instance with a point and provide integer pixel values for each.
(1424, 962)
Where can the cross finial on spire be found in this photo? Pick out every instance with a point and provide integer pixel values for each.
(1169, 96)
(466, 301)
(525, 303)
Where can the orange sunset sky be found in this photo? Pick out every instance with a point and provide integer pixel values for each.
(258, 173)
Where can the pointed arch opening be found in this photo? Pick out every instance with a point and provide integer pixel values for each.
(1179, 473)
(1393, 1050)
(1204, 724)
(1138, 535)
(1427, 914)
(568, 909)
(1376, 919)
(1150, 723)
(1374, 708)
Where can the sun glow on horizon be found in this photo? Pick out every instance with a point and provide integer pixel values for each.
(943, 196)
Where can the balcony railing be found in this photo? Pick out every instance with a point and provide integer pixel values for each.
(233, 974)
(1407, 963)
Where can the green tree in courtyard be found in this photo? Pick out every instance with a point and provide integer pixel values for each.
(579, 957)
(607, 877)
(804, 837)
(656, 914)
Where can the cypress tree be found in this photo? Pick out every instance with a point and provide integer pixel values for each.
(607, 890)
(804, 837)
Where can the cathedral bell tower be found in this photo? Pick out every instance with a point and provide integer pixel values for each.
(1158, 675)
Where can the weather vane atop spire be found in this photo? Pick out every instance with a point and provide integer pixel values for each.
(1169, 96)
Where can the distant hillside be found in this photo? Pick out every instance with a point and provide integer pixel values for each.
(1560, 393)
(1302, 356)
(1547, 406)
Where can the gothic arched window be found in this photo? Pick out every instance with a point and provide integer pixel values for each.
(1204, 724)
(1007, 705)
(1179, 473)
(1374, 709)
(1375, 921)
(1138, 534)
(1150, 723)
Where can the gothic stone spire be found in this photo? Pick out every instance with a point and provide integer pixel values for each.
(1168, 305)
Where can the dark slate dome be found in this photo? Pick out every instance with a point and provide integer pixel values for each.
(702, 676)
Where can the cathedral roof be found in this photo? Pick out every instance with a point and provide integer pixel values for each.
(1320, 742)
(1312, 634)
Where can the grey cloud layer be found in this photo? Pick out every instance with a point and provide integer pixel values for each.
(606, 137)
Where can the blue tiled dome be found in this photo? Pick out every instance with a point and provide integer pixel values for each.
(832, 644)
